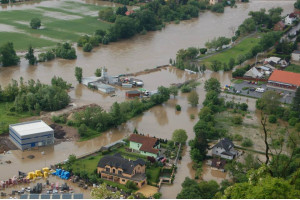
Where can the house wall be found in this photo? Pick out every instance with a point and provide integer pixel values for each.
(148, 154)
(135, 145)
(296, 57)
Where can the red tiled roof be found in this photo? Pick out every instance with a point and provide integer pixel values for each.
(129, 12)
(146, 141)
(285, 77)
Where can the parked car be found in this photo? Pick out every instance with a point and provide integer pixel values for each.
(159, 158)
(252, 89)
(238, 91)
(260, 90)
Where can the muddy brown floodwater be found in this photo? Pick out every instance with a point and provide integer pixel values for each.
(136, 54)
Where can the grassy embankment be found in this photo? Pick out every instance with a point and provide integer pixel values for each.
(241, 48)
(293, 68)
(7, 117)
(67, 22)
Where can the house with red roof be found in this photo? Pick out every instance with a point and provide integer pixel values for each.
(284, 79)
(145, 145)
(279, 26)
(129, 12)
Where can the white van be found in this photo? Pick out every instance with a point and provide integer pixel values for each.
(260, 90)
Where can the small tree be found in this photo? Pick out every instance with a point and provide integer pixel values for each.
(87, 47)
(78, 74)
(101, 192)
(173, 90)
(231, 63)
(30, 56)
(180, 136)
(8, 55)
(98, 72)
(82, 130)
(35, 23)
(193, 98)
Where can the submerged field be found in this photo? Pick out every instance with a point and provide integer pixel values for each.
(66, 21)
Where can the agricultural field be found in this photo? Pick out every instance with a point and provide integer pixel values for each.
(64, 21)
(242, 48)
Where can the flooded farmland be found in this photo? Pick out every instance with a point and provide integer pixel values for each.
(136, 54)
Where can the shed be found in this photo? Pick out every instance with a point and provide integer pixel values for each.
(31, 134)
(132, 94)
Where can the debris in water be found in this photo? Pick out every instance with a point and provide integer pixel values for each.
(31, 156)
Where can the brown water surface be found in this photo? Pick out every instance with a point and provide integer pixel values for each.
(136, 54)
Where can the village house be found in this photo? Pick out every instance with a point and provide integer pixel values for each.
(224, 149)
(253, 73)
(272, 61)
(218, 164)
(145, 145)
(279, 26)
(284, 79)
(289, 19)
(296, 56)
(118, 169)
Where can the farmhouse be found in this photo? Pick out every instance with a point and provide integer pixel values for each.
(31, 134)
(118, 169)
(145, 145)
(224, 149)
(289, 19)
(284, 79)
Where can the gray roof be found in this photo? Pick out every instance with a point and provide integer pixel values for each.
(119, 162)
(225, 143)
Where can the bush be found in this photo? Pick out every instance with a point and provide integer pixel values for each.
(186, 89)
(35, 23)
(272, 119)
(237, 137)
(157, 195)
(203, 50)
(178, 107)
(297, 126)
(247, 142)
(293, 121)
(131, 185)
(237, 120)
(192, 116)
(218, 7)
(87, 47)
(244, 107)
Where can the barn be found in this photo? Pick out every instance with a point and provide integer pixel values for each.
(132, 94)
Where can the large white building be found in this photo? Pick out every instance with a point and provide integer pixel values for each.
(31, 134)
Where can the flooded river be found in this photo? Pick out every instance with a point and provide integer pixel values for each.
(136, 54)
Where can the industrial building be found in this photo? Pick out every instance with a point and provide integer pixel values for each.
(31, 134)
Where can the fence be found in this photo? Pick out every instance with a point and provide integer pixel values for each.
(252, 79)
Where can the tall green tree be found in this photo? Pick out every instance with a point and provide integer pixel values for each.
(193, 98)
(8, 56)
(180, 136)
(174, 91)
(30, 56)
(78, 74)
(212, 84)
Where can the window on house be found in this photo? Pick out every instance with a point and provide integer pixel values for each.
(119, 172)
(123, 180)
(107, 169)
(114, 171)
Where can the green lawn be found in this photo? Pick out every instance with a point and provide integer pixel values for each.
(7, 117)
(89, 164)
(240, 49)
(155, 172)
(66, 22)
(293, 68)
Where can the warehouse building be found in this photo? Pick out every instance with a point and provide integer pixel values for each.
(31, 134)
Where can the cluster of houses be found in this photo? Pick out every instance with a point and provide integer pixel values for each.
(287, 21)
(272, 71)
(119, 169)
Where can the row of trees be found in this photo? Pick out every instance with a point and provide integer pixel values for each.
(35, 96)
(97, 119)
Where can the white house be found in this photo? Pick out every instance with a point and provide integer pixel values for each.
(289, 19)
(253, 73)
(224, 149)
(296, 56)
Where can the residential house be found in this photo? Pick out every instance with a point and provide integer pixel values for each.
(284, 79)
(272, 61)
(253, 73)
(279, 26)
(118, 169)
(129, 12)
(296, 56)
(289, 19)
(145, 145)
(218, 164)
(224, 149)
